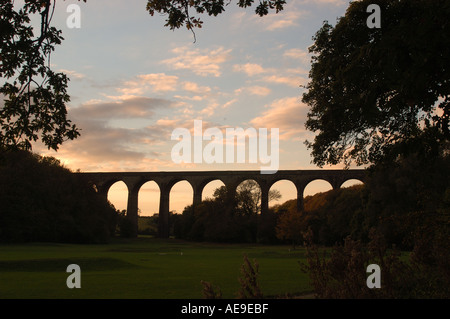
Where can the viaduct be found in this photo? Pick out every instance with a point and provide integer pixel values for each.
(199, 179)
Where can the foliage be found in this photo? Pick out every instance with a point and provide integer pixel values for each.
(266, 228)
(403, 201)
(406, 196)
(381, 96)
(225, 218)
(248, 197)
(331, 216)
(211, 221)
(343, 274)
(125, 226)
(249, 288)
(42, 201)
(34, 101)
(399, 200)
(210, 291)
(291, 225)
(148, 225)
(376, 93)
(179, 14)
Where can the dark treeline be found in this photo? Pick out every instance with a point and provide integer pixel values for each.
(222, 219)
(40, 200)
(402, 201)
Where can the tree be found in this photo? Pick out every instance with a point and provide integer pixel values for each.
(341, 273)
(291, 225)
(224, 218)
(248, 195)
(41, 200)
(376, 93)
(34, 96)
(249, 286)
(178, 11)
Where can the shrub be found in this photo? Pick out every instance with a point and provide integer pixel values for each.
(343, 273)
(249, 288)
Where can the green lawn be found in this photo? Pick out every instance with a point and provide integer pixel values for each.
(145, 268)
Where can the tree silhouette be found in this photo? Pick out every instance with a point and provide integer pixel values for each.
(248, 197)
(179, 11)
(34, 96)
(41, 200)
(376, 93)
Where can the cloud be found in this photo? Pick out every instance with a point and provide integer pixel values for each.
(288, 114)
(202, 62)
(271, 75)
(135, 107)
(227, 104)
(298, 54)
(254, 90)
(159, 83)
(271, 22)
(284, 19)
(155, 82)
(102, 147)
(210, 109)
(196, 98)
(250, 69)
(293, 81)
(73, 74)
(298, 70)
(195, 88)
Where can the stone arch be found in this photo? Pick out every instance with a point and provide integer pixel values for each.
(231, 179)
(242, 180)
(262, 202)
(318, 186)
(350, 182)
(148, 204)
(212, 183)
(171, 188)
(120, 201)
(287, 187)
(103, 187)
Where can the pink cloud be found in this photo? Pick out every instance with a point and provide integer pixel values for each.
(287, 114)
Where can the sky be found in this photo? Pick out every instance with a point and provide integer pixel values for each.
(134, 81)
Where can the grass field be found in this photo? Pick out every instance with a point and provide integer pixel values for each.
(145, 268)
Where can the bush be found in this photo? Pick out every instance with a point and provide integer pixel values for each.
(213, 221)
(343, 273)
